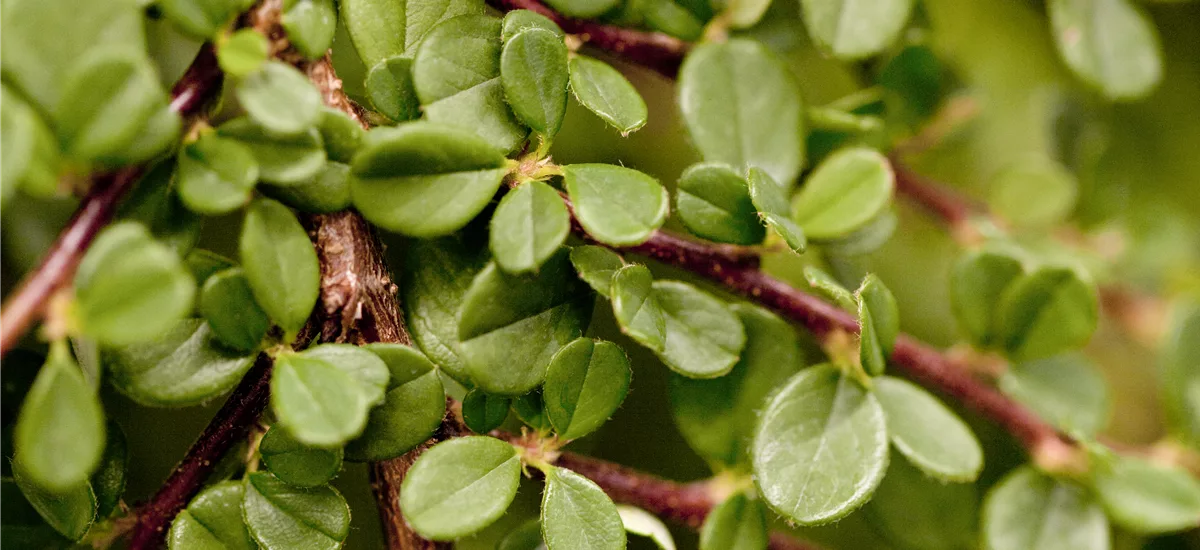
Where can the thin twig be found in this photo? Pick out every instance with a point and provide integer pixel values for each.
(199, 85)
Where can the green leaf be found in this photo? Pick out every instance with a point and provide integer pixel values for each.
(410, 413)
(616, 205)
(130, 288)
(821, 447)
(745, 13)
(713, 201)
(596, 266)
(528, 227)
(310, 25)
(69, 511)
(533, 71)
(340, 134)
(483, 412)
(215, 175)
(297, 464)
(369, 369)
(583, 8)
(185, 366)
(1148, 498)
(1110, 44)
(1065, 390)
(516, 21)
(585, 384)
(1030, 511)
(108, 97)
(280, 516)
(1033, 193)
(1048, 311)
(703, 337)
(576, 514)
(243, 53)
(767, 197)
(199, 18)
(280, 99)
(108, 481)
(203, 264)
(440, 272)
(1180, 377)
(743, 108)
(738, 523)
(845, 192)
(155, 203)
(381, 29)
(928, 433)
(977, 283)
(317, 402)
(879, 319)
(717, 417)
(635, 306)
(829, 287)
(922, 513)
(526, 537)
(280, 263)
(160, 133)
(404, 363)
(59, 436)
(643, 523)
(390, 89)
(606, 92)
(328, 191)
(864, 240)
(212, 520)
(669, 17)
(30, 150)
(853, 30)
(456, 73)
(424, 180)
(531, 409)
(460, 486)
(281, 160)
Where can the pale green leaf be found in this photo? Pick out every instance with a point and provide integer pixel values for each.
(390, 89)
(604, 91)
(310, 25)
(713, 201)
(703, 337)
(288, 160)
(585, 384)
(212, 521)
(577, 515)
(928, 433)
(636, 307)
(1110, 44)
(280, 516)
(533, 71)
(849, 189)
(616, 205)
(1048, 311)
(850, 29)
(645, 524)
(295, 463)
(738, 523)
(460, 486)
(1065, 390)
(529, 226)
(320, 404)
(1029, 511)
(215, 175)
(280, 263)
(1148, 498)
(977, 283)
(596, 266)
(280, 99)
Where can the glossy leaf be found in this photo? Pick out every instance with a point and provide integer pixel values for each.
(1110, 44)
(1030, 511)
(577, 515)
(390, 89)
(977, 283)
(59, 437)
(281, 516)
(1148, 498)
(585, 384)
(636, 308)
(460, 486)
(186, 366)
(381, 29)
(737, 523)
(615, 205)
(742, 108)
(645, 524)
(424, 180)
(879, 320)
(69, 511)
(442, 271)
(295, 463)
(928, 433)
(129, 287)
(328, 191)
(529, 226)
(1046, 312)
(606, 92)
(844, 193)
(1181, 373)
(853, 30)
(280, 263)
(288, 160)
(820, 448)
(410, 413)
(596, 266)
(215, 175)
(318, 403)
(942, 517)
(310, 25)
(703, 337)
(533, 71)
(717, 417)
(280, 99)
(1065, 390)
(107, 99)
(483, 413)
(367, 368)
(713, 201)
(517, 21)
(768, 198)
(243, 53)
(212, 520)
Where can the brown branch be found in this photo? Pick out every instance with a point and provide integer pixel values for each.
(199, 85)
(654, 50)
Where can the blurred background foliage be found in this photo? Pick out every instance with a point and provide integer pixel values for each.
(1012, 127)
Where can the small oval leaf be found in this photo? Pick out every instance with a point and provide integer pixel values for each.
(460, 486)
(280, 263)
(585, 384)
(616, 205)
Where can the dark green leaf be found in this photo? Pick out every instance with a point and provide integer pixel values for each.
(830, 287)
(215, 175)
(368, 368)
(297, 464)
(460, 486)
(203, 264)
(340, 134)
(59, 436)
(738, 523)
(528, 227)
(516, 21)
(186, 366)
(281, 160)
(1148, 498)
(131, 288)
(585, 384)
(1181, 373)
(107, 98)
(703, 337)
(526, 537)
(928, 433)
(280, 263)
(310, 25)
(70, 511)
(577, 515)
(853, 30)
(1065, 390)
(879, 320)
(531, 409)
(390, 89)
(921, 513)
(319, 403)
(713, 201)
(820, 449)
(616, 205)
(212, 520)
(280, 516)
(849, 189)
(424, 180)
(533, 71)
(768, 198)
(280, 99)
(243, 53)
(1049, 311)
(977, 282)
(439, 275)
(1030, 511)
(511, 326)
(1110, 44)
(596, 266)
(717, 417)
(742, 108)
(410, 412)
(381, 29)
(199, 18)
(482, 412)
(328, 191)
(606, 92)
(108, 482)
(155, 203)
(636, 308)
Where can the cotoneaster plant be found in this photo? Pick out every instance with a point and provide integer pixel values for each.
(228, 246)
